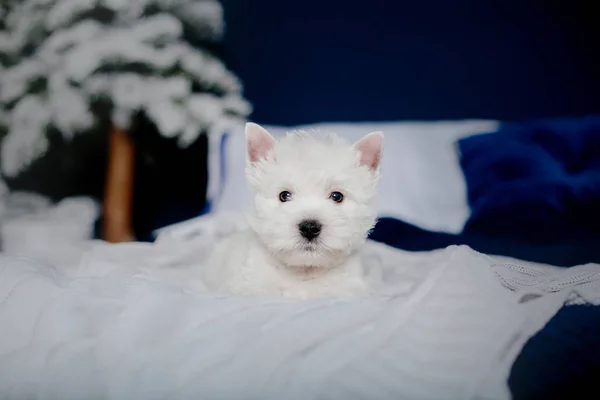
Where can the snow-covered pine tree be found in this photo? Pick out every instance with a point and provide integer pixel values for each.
(59, 57)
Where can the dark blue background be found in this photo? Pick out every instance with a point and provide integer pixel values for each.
(306, 61)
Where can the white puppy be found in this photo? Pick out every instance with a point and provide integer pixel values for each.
(312, 211)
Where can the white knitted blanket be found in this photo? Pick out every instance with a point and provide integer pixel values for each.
(123, 323)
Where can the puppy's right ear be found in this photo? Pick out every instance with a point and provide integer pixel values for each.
(370, 148)
(259, 142)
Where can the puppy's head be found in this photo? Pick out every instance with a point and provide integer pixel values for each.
(313, 194)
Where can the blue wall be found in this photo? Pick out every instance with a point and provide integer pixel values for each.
(342, 60)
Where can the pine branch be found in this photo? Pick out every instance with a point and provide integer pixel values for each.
(64, 55)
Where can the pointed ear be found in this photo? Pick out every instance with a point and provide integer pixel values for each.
(370, 148)
(258, 142)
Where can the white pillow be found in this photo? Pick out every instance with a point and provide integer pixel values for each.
(422, 182)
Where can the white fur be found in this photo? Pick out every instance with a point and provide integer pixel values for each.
(272, 258)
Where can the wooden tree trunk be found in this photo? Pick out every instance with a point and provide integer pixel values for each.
(118, 192)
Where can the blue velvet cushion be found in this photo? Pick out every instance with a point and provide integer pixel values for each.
(536, 180)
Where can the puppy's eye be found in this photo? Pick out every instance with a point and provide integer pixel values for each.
(336, 196)
(285, 196)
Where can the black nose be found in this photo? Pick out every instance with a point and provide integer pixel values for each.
(310, 228)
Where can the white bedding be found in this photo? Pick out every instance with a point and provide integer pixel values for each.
(127, 322)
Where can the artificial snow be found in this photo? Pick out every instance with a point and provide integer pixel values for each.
(63, 11)
(80, 60)
(24, 142)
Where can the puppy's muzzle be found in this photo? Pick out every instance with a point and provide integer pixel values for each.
(310, 229)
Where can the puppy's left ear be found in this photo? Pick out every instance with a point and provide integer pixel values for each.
(259, 142)
(370, 148)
